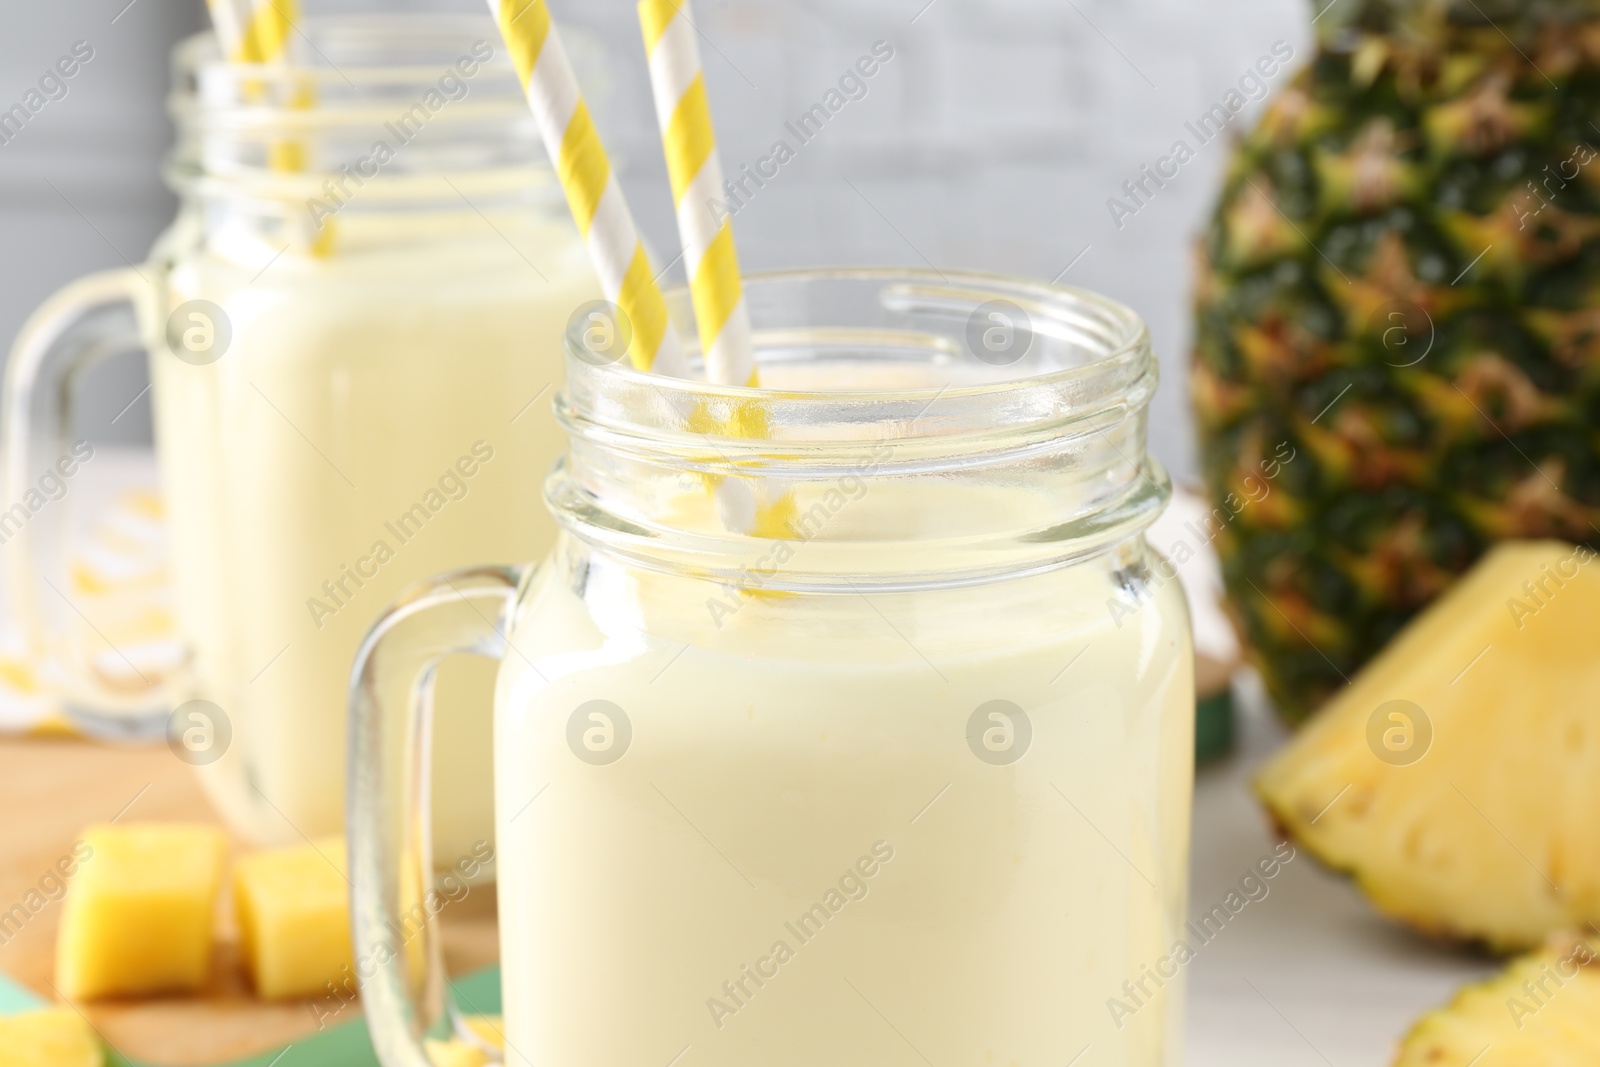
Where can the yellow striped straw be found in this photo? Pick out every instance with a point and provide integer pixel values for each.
(677, 79)
(678, 83)
(256, 32)
(253, 31)
(586, 177)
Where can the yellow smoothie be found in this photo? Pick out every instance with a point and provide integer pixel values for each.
(380, 415)
(829, 836)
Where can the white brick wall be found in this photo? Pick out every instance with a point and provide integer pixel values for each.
(991, 141)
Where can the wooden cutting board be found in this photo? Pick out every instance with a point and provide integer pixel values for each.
(49, 791)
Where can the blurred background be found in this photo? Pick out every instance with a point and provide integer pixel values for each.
(991, 141)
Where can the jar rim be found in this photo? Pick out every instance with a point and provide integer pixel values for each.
(1120, 373)
(202, 51)
(349, 84)
(1026, 471)
(1134, 338)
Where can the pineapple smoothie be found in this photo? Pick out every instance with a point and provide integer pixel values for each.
(825, 847)
(378, 415)
(798, 828)
(846, 720)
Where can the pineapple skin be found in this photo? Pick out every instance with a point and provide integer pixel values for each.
(1400, 287)
(1544, 1009)
(1485, 833)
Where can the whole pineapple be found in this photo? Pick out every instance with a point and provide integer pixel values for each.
(1400, 292)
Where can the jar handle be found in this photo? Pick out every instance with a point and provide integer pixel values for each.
(70, 333)
(464, 612)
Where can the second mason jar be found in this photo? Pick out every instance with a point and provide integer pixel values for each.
(354, 328)
(863, 734)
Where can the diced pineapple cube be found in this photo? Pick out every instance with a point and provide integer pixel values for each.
(56, 1038)
(293, 906)
(455, 1053)
(140, 913)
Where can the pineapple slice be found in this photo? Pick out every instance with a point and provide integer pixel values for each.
(293, 906)
(1458, 776)
(455, 1053)
(490, 1030)
(140, 913)
(58, 1037)
(485, 1032)
(1545, 1010)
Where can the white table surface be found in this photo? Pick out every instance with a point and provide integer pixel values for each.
(1310, 975)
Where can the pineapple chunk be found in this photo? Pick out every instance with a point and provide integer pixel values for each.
(1545, 1010)
(55, 1038)
(140, 913)
(485, 1032)
(455, 1053)
(1475, 819)
(488, 1029)
(293, 906)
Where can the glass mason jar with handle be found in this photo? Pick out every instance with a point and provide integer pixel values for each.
(864, 738)
(354, 330)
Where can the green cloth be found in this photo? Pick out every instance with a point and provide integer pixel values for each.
(346, 1045)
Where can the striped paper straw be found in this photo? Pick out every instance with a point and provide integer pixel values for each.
(257, 31)
(586, 177)
(679, 85)
(683, 114)
(253, 31)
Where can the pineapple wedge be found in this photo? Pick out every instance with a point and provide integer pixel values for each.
(487, 1032)
(140, 912)
(1544, 1010)
(489, 1029)
(1458, 776)
(293, 906)
(455, 1053)
(58, 1037)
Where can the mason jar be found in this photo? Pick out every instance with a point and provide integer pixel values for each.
(861, 732)
(354, 331)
